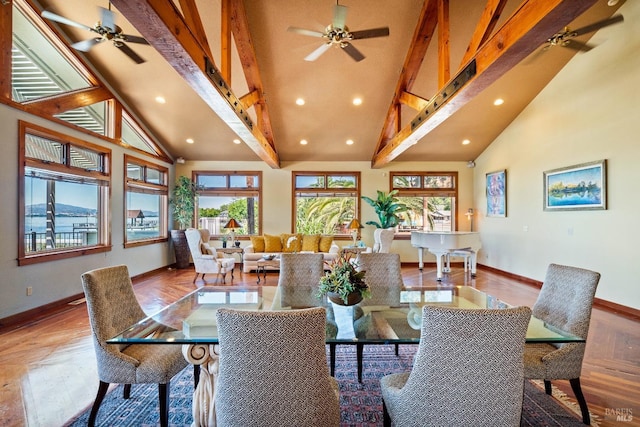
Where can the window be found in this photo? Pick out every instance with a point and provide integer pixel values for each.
(431, 198)
(146, 197)
(226, 195)
(64, 192)
(325, 202)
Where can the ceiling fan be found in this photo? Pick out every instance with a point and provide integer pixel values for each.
(106, 30)
(565, 37)
(338, 34)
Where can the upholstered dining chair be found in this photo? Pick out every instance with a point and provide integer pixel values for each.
(113, 307)
(273, 369)
(299, 279)
(565, 302)
(468, 370)
(205, 258)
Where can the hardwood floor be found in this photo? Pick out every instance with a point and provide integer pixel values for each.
(48, 373)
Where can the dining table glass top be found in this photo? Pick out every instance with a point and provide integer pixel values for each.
(192, 319)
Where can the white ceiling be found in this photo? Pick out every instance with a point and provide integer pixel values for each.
(328, 85)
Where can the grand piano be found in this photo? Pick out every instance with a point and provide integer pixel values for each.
(444, 244)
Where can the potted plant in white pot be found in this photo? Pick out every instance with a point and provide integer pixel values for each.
(183, 200)
(387, 208)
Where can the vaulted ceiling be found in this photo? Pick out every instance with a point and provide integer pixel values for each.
(413, 108)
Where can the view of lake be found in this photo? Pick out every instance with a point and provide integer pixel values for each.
(64, 223)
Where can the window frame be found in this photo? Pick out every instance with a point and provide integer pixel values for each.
(229, 191)
(104, 176)
(161, 189)
(328, 191)
(423, 191)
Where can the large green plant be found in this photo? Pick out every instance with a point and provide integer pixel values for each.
(183, 199)
(387, 208)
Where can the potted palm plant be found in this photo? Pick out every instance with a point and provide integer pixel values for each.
(183, 202)
(387, 208)
(343, 284)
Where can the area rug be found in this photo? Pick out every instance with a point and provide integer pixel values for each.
(360, 403)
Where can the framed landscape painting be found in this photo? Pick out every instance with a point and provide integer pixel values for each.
(579, 187)
(497, 193)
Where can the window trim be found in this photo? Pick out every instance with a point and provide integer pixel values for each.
(357, 190)
(228, 191)
(427, 192)
(25, 128)
(162, 189)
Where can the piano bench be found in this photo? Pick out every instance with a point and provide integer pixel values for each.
(462, 253)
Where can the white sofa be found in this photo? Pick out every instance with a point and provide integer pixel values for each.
(251, 257)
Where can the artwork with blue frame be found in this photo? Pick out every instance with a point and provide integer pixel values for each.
(579, 187)
(497, 193)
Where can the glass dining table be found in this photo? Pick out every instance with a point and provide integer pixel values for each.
(191, 321)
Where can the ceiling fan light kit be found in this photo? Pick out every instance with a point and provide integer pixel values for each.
(337, 34)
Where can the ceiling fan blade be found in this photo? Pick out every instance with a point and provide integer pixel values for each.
(319, 51)
(597, 25)
(353, 52)
(576, 45)
(133, 39)
(339, 16)
(305, 32)
(129, 52)
(86, 45)
(62, 20)
(373, 32)
(107, 19)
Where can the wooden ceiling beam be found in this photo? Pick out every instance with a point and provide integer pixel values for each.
(485, 27)
(160, 23)
(249, 61)
(58, 104)
(194, 22)
(225, 40)
(422, 36)
(525, 30)
(414, 101)
(444, 57)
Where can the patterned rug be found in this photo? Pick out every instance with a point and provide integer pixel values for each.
(361, 403)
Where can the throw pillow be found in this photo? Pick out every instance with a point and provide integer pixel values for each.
(272, 243)
(258, 243)
(291, 242)
(207, 250)
(310, 242)
(325, 243)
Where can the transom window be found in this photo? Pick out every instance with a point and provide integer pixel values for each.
(64, 193)
(431, 198)
(146, 197)
(325, 202)
(223, 195)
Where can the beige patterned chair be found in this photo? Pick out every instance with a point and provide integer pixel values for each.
(205, 258)
(113, 307)
(565, 303)
(299, 279)
(468, 370)
(273, 370)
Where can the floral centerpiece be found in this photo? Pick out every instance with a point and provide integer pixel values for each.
(343, 283)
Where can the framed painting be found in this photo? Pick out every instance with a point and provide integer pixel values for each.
(579, 187)
(497, 194)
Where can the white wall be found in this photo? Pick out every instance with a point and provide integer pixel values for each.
(276, 195)
(589, 112)
(56, 280)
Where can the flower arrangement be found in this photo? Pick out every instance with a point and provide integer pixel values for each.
(343, 279)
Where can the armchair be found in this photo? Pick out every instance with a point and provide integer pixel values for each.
(205, 257)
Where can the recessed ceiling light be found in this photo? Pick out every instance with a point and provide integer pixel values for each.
(498, 101)
(161, 100)
(349, 141)
(300, 101)
(612, 2)
(190, 141)
(466, 142)
(303, 142)
(357, 101)
(236, 141)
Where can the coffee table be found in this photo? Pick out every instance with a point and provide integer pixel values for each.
(264, 264)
